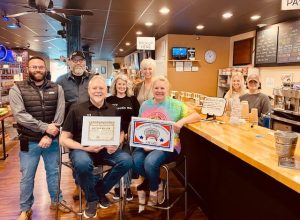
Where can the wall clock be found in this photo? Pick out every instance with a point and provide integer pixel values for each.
(210, 56)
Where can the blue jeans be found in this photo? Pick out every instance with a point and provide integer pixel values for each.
(147, 164)
(84, 162)
(29, 162)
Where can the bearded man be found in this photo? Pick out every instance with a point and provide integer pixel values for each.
(75, 86)
(75, 83)
(38, 106)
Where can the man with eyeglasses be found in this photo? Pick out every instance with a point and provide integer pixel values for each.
(75, 83)
(75, 86)
(38, 106)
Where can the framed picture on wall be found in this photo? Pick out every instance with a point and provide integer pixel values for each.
(103, 69)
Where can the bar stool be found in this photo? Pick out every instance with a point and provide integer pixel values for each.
(98, 170)
(174, 167)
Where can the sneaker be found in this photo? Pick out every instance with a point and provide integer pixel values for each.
(143, 186)
(152, 201)
(161, 192)
(129, 195)
(25, 215)
(90, 210)
(117, 193)
(104, 203)
(61, 207)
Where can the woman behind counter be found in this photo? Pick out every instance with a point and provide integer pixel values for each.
(237, 86)
(127, 106)
(255, 98)
(237, 89)
(147, 162)
(143, 89)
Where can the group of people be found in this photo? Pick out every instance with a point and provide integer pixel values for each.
(41, 107)
(254, 97)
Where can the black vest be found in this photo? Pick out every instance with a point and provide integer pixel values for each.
(41, 106)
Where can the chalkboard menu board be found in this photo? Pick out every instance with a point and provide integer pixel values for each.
(289, 42)
(266, 46)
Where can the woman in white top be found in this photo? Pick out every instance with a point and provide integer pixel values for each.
(237, 86)
(143, 89)
(237, 89)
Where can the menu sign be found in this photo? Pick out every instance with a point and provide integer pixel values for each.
(213, 106)
(266, 45)
(289, 42)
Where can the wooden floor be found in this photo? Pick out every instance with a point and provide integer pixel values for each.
(10, 190)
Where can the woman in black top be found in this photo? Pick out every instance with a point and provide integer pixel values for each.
(127, 106)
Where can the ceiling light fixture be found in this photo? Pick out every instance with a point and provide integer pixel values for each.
(227, 15)
(49, 47)
(148, 24)
(36, 40)
(200, 27)
(127, 43)
(121, 50)
(261, 25)
(255, 17)
(139, 33)
(164, 10)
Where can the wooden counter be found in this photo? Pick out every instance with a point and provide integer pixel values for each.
(233, 169)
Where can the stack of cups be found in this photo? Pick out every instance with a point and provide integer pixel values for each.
(253, 117)
(245, 110)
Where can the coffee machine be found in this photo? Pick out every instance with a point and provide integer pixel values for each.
(287, 99)
(286, 111)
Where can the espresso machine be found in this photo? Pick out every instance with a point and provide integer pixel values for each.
(286, 111)
(287, 100)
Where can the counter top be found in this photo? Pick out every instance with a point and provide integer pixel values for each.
(254, 145)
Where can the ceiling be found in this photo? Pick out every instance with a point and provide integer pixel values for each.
(116, 22)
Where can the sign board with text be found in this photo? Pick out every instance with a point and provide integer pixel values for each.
(290, 4)
(145, 43)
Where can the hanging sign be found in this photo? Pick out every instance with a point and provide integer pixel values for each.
(145, 43)
(290, 4)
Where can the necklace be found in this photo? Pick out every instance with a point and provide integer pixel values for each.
(144, 92)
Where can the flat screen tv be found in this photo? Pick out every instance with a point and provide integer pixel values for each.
(179, 53)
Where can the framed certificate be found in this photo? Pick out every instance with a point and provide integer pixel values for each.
(97, 130)
(152, 134)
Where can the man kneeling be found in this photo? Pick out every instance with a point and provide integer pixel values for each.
(85, 157)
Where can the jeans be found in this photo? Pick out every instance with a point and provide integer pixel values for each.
(84, 162)
(29, 162)
(147, 164)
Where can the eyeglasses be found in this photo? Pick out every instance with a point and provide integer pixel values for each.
(78, 60)
(37, 67)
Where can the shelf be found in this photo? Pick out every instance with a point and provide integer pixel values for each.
(11, 74)
(7, 80)
(184, 60)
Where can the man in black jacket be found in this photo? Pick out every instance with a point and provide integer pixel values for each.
(38, 107)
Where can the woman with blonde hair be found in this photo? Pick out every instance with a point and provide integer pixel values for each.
(147, 162)
(127, 106)
(237, 86)
(142, 90)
